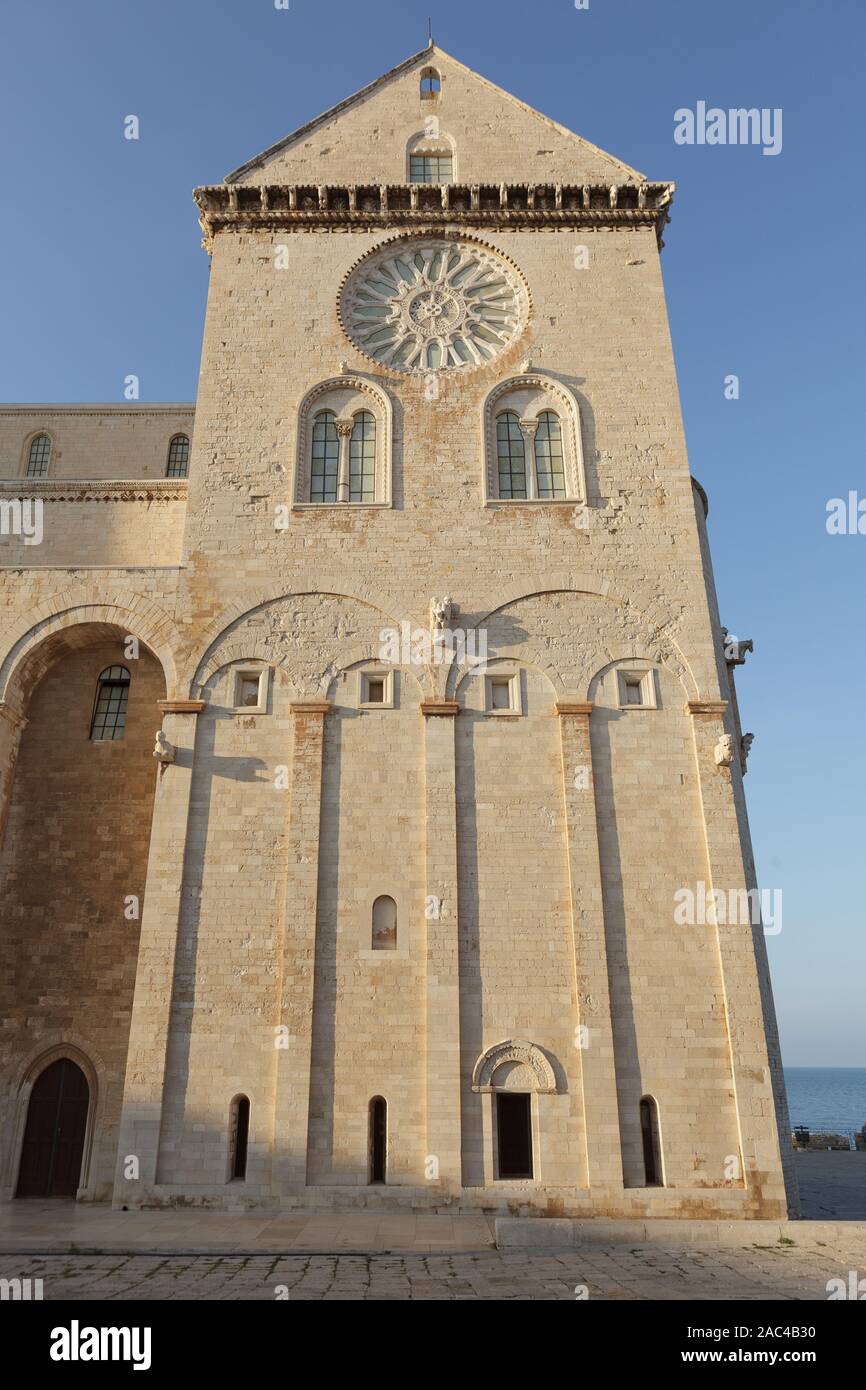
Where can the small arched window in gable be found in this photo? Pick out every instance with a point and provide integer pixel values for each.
(178, 457)
(549, 462)
(109, 710)
(511, 455)
(384, 924)
(431, 84)
(239, 1133)
(325, 462)
(39, 456)
(651, 1142)
(362, 458)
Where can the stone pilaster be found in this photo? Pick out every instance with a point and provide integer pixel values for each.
(443, 1157)
(12, 725)
(745, 976)
(594, 1049)
(294, 1036)
(144, 1088)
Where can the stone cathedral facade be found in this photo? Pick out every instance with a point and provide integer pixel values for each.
(418, 599)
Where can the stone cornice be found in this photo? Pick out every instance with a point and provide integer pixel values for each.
(505, 207)
(181, 706)
(95, 490)
(97, 408)
(710, 707)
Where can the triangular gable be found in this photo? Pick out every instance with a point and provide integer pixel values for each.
(497, 137)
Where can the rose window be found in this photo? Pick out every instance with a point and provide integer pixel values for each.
(427, 304)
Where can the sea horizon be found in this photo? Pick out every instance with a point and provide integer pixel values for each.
(827, 1098)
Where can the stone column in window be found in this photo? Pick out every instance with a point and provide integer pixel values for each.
(594, 1060)
(529, 428)
(293, 1040)
(754, 1041)
(443, 1159)
(147, 1080)
(344, 430)
(12, 725)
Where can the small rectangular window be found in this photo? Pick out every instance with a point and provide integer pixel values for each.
(633, 694)
(377, 688)
(636, 689)
(249, 690)
(502, 694)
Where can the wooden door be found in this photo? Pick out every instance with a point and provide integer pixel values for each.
(54, 1137)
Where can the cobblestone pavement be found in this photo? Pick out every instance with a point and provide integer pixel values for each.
(608, 1272)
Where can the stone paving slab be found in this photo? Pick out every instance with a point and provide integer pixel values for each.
(606, 1273)
(59, 1227)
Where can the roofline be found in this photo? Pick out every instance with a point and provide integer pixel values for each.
(103, 407)
(327, 115)
(408, 63)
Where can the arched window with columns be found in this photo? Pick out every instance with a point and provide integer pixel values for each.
(533, 450)
(344, 445)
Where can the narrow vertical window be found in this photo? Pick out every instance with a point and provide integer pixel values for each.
(109, 710)
(325, 462)
(239, 1133)
(178, 457)
(39, 457)
(549, 466)
(378, 1139)
(362, 458)
(384, 924)
(652, 1152)
(511, 454)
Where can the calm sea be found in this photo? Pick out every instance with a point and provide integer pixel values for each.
(830, 1098)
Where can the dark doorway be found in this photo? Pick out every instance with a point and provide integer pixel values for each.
(378, 1138)
(54, 1136)
(649, 1130)
(514, 1130)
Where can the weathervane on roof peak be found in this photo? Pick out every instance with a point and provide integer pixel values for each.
(429, 32)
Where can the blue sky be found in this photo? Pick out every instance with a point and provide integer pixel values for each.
(101, 275)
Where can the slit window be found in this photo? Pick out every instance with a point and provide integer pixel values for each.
(239, 1134)
(109, 711)
(649, 1131)
(378, 1139)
